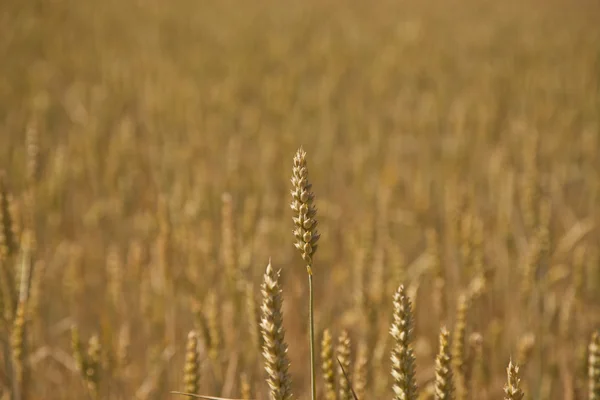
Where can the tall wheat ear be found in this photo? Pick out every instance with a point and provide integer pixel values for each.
(306, 238)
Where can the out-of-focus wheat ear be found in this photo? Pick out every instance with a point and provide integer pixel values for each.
(361, 370)
(35, 295)
(114, 269)
(525, 348)
(213, 322)
(377, 276)
(191, 369)
(164, 243)
(8, 242)
(592, 262)
(136, 254)
(8, 248)
(253, 316)
(94, 365)
(245, 387)
(476, 373)
(477, 238)
(26, 265)
(77, 349)
(466, 245)
(18, 349)
(459, 356)
(201, 323)
(544, 234)
(327, 364)
(444, 381)
(228, 245)
(512, 389)
(578, 276)
(359, 292)
(530, 266)
(33, 173)
(32, 140)
(594, 367)
(403, 359)
(530, 191)
(439, 278)
(343, 354)
(250, 215)
(453, 204)
(123, 353)
(275, 348)
(397, 262)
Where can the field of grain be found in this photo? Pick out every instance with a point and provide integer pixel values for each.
(147, 154)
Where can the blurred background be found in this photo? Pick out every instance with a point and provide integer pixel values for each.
(147, 147)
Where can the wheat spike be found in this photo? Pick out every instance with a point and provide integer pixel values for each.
(191, 369)
(343, 353)
(93, 365)
(512, 390)
(360, 374)
(327, 364)
(274, 348)
(304, 210)
(444, 384)
(594, 367)
(403, 359)
(459, 356)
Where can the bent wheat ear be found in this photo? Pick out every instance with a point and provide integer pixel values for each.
(274, 347)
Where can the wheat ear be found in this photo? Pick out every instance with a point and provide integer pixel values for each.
(594, 367)
(512, 390)
(306, 236)
(444, 383)
(327, 365)
(403, 359)
(274, 347)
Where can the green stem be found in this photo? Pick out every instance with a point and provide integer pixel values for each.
(311, 324)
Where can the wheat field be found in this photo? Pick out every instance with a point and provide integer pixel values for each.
(170, 172)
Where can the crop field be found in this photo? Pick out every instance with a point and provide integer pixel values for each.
(181, 180)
